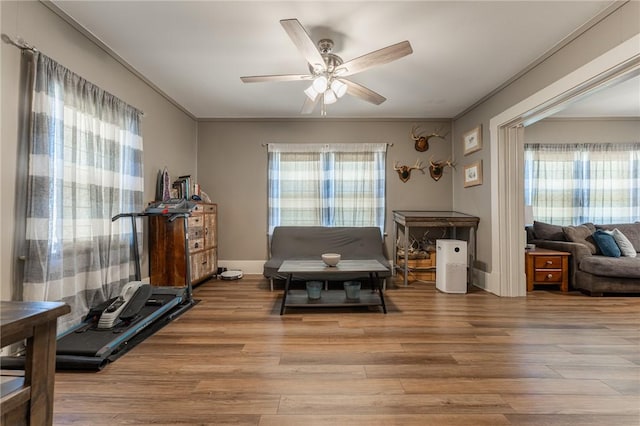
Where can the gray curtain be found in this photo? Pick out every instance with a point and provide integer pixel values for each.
(85, 166)
(326, 184)
(570, 184)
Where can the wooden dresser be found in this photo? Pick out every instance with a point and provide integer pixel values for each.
(544, 266)
(167, 258)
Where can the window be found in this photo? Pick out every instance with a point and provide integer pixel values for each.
(570, 184)
(326, 185)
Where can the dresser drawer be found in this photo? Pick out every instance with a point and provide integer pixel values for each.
(548, 276)
(548, 262)
(195, 220)
(210, 208)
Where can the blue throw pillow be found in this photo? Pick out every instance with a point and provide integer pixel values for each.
(606, 243)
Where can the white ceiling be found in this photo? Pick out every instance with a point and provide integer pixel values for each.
(196, 51)
(620, 100)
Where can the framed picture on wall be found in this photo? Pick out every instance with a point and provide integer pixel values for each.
(472, 140)
(473, 174)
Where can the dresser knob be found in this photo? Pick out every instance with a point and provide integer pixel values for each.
(549, 262)
(549, 276)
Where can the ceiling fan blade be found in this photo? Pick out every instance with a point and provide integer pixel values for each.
(303, 42)
(309, 105)
(378, 57)
(359, 91)
(271, 78)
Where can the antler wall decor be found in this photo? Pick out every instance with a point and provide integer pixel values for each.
(436, 168)
(422, 142)
(404, 172)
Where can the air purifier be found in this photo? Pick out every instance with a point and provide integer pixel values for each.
(451, 267)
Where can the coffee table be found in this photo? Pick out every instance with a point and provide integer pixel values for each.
(307, 270)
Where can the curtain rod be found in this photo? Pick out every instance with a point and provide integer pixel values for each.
(18, 42)
(23, 45)
(266, 144)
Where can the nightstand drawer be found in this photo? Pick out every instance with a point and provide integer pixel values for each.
(548, 262)
(548, 276)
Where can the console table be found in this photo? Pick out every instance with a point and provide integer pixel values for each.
(317, 269)
(29, 400)
(404, 220)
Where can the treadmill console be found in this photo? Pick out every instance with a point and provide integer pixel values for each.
(173, 205)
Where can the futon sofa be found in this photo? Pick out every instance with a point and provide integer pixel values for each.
(310, 242)
(590, 270)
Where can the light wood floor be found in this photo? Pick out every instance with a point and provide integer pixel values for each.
(434, 359)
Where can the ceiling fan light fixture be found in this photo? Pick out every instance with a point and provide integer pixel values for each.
(320, 84)
(339, 88)
(311, 93)
(327, 71)
(329, 97)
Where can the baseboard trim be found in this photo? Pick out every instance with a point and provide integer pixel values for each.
(486, 281)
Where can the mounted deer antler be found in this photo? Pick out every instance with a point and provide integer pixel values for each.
(436, 169)
(405, 171)
(422, 142)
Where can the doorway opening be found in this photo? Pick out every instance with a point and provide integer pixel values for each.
(507, 154)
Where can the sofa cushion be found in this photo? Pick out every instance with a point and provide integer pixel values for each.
(626, 248)
(622, 267)
(606, 243)
(582, 234)
(630, 230)
(547, 231)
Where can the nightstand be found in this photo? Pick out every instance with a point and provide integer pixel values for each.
(548, 267)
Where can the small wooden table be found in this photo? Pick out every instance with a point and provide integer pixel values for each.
(317, 269)
(404, 220)
(547, 267)
(31, 402)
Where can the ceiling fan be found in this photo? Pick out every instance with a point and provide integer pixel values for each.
(327, 71)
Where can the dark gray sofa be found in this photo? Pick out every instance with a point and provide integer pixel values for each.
(589, 270)
(309, 242)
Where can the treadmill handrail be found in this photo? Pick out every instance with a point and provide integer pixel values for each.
(172, 214)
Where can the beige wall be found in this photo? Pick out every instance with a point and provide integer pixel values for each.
(600, 130)
(232, 165)
(613, 30)
(169, 134)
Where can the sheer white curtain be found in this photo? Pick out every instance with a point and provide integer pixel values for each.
(570, 184)
(295, 185)
(326, 185)
(85, 166)
(359, 186)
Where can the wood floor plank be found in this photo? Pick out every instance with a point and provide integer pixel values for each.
(604, 372)
(598, 349)
(386, 420)
(628, 386)
(460, 371)
(435, 359)
(505, 386)
(347, 403)
(303, 385)
(554, 358)
(574, 404)
(364, 358)
(571, 420)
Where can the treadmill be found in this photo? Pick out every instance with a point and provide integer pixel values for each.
(90, 345)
